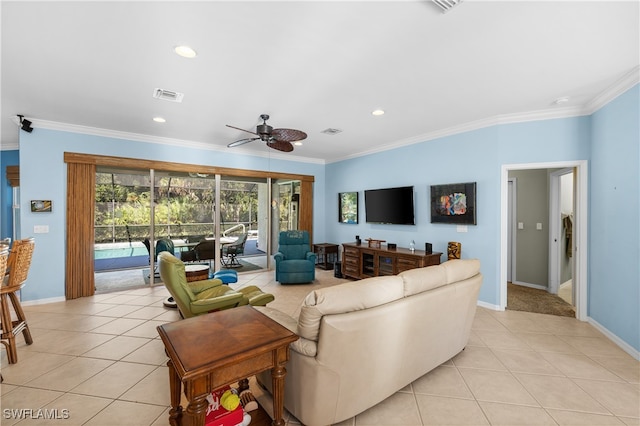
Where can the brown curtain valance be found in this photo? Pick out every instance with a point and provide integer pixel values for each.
(13, 175)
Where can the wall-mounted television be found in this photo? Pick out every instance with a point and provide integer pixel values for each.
(389, 205)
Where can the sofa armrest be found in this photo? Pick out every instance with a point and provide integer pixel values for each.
(305, 347)
(311, 256)
(278, 256)
(302, 346)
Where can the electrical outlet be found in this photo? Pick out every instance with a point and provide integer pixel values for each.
(41, 229)
(539, 226)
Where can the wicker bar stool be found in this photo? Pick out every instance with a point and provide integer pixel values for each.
(18, 263)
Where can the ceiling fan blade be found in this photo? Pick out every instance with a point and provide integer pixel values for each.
(241, 142)
(288, 135)
(238, 128)
(280, 145)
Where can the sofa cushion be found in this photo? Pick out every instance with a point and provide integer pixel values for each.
(348, 297)
(422, 279)
(296, 265)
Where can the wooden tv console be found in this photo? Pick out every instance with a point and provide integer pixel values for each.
(361, 261)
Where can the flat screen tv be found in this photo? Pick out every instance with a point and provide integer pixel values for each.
(389, 205)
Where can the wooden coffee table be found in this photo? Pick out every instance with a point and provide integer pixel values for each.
(220, 348)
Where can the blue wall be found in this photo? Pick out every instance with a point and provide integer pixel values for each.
(608, 139)
(43, 177)
(7, 158)
(614, 232)
(475, 156)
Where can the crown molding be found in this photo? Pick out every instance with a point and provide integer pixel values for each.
(626, 82)
(138, 137)
(9, 146)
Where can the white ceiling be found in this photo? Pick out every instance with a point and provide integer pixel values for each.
(310, 65)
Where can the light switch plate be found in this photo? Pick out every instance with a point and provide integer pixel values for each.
(41, 229)
(539, 226)
(520, 225)
(462, 228)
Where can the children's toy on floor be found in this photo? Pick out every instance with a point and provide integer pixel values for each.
(225, 409)
(248, 401)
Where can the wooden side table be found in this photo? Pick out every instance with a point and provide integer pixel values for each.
(212, 350)
(326, 255)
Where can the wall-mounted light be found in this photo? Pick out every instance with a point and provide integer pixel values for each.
(25, 124)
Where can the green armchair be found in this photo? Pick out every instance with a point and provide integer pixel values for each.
(199, 297)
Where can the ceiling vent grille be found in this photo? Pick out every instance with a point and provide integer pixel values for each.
(331, 131)
(447, 5)
(167, 95)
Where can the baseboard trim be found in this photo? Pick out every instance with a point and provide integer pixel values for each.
(615, 339)
(42, 301)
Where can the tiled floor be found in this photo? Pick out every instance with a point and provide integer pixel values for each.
(99, 361)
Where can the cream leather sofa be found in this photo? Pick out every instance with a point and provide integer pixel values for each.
(362, 341)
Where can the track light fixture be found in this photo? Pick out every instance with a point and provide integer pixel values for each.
(25, 124)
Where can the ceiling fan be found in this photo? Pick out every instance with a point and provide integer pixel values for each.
(279, 139)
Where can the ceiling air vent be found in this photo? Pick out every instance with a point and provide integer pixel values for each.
(447, 5)
(331, 131)
(167, 95)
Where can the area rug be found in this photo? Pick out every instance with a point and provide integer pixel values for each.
(521, 298)
(244, 266)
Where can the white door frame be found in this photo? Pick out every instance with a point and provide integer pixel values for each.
(511, 242)
(580, 228)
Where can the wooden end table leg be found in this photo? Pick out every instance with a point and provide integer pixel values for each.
(196, 411)
(175, 387)
(277, 382)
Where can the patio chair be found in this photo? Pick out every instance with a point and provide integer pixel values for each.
(231, 251)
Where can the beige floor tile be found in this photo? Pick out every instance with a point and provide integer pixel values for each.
(496, 386)
(437, 411)
(71, 374)
(622, 399)
(118, 326)
(546, 343)
(148, 329)
(594, 346)
(579, 366)
(626, 367)
(153, 389)
(123, 413)
(478, 357)
(169, 316)
(574, 418)
(116, 348)
(114, 380)
(510, 415)
(6, 388)
(443, 381)
(128, 299)
(31, 367)
(147, 312)
(119, 311)
(398, 409)
(151, 353)
(630, 421)
(71, 410)
(560, 393)
(526, 362)
(23, 403)
(163, 419)
(501, 339)
(68, 342)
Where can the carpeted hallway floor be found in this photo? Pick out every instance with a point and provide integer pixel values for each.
(521, 298)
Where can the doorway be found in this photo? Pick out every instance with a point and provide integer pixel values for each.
(579, 229)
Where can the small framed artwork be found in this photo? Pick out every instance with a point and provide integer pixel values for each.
(454, 203)
(41, 206)
(348, 207)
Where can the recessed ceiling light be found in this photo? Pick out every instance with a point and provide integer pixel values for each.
(561, 100)
(377, 112)
(185, 51)
(159, 119)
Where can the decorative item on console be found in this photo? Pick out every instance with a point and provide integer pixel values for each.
(428, 248)
(375, 243)
(454, 250)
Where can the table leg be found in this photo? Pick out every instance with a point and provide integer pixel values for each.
(277, 382)
(196, 411)
(175, 387)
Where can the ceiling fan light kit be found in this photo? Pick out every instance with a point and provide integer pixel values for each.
(279, 139)
(447, 5)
